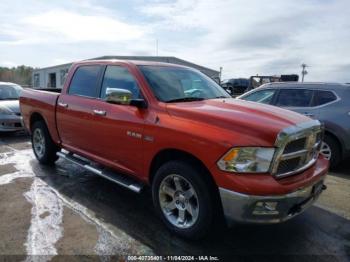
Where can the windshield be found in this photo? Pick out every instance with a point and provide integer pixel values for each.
(176, 84)
(10, 92)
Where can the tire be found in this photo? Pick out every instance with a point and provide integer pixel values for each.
(331, 150)
(186, 190)
(43, 147)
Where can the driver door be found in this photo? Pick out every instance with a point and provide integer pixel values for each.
(119, 128)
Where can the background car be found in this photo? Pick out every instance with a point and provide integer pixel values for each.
(235, 86)
(329, 103)
(10, 115)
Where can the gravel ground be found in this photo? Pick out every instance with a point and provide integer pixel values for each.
(62, 210)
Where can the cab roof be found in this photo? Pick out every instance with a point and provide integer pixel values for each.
(130, 62)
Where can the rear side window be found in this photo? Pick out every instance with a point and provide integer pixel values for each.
(262, 96)
(294, 97)
(323, 97)
(84, 82)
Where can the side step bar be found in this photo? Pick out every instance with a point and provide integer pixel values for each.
(121, 180)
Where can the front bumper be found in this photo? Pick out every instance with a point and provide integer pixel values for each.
(9, 123)
(268, 209)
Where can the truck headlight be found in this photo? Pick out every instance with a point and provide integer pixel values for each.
(5, 111)
(247, 160)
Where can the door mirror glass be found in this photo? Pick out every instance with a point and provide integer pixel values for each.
(118, 96)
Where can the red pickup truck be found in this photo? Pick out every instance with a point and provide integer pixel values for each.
(204, 154)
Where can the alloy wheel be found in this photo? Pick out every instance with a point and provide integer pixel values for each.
(178, 201)
(39, 142)
(326, 150)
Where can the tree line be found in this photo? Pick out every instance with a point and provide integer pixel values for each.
(21, 75)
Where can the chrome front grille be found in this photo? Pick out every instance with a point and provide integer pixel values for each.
(286, 166)
(297, 148)
(295, 145)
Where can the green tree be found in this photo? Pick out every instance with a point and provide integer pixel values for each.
(21, 75)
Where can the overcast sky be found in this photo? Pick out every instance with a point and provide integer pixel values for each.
(245, 37)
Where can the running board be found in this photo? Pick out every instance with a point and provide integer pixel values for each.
(121, 180)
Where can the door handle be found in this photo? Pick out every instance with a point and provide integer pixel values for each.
(62, 104)
(99, 112)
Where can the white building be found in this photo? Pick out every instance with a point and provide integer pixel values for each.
(54, 76)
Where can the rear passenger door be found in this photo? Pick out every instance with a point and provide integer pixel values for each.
(298, 100)
(75, 119)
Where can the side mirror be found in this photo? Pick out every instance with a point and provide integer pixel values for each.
(118, 96)
(123, 97)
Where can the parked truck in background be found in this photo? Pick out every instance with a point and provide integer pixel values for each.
(205, 155)
(238, 86)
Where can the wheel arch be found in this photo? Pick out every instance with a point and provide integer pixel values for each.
(166, 155)
(34, 117)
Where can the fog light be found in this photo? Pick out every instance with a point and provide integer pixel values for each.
(265, 208)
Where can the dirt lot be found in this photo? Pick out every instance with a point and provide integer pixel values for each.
(62, 210)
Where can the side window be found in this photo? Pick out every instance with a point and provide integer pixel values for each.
(294, 97)
(262, 96)
(119, 77)
(323, 97)
(84, 82)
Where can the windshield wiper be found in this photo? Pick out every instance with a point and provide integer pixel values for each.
(185, 99)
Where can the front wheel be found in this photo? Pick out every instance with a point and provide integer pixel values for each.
(44, 148)
(182, 199)
(330, 149)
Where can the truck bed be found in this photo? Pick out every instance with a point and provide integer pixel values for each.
(43, 102)
(54, 90)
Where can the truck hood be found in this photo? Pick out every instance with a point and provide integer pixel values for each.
(243, 118)
(13, 105)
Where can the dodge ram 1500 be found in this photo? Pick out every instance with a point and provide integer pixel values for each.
(204, 154)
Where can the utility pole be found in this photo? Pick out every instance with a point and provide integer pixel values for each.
(303, 72)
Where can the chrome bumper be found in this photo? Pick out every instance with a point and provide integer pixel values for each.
(11, 123)
(268, 209)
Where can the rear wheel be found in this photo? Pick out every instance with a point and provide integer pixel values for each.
(182, 199)
(330, 149)
(44, 148)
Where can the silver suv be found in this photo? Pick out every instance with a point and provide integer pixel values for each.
(329, 103)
